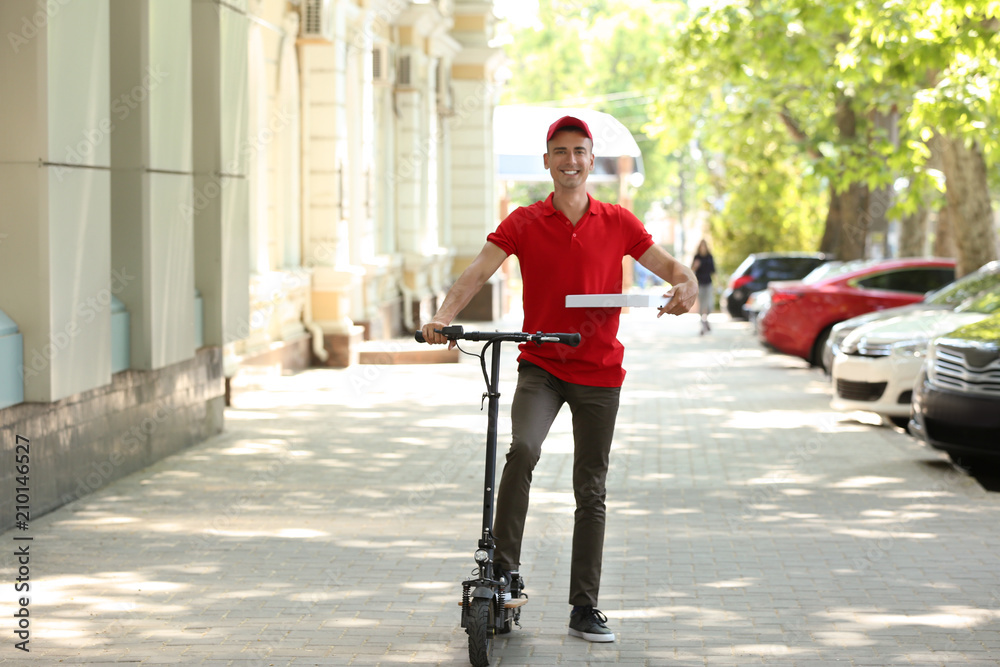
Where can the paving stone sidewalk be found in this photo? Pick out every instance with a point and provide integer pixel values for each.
(332, 523)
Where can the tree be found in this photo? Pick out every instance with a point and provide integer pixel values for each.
(832, 72)
(947, 55)
(747, 65)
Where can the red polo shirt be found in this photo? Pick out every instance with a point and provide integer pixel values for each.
(557, 259)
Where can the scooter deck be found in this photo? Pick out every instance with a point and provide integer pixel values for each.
(512, 604)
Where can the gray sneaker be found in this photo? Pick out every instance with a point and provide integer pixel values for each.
(590, 624)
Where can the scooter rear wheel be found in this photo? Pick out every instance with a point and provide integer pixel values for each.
(480, 630)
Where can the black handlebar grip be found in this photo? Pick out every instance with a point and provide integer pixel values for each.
(570, 339)
(418, 335)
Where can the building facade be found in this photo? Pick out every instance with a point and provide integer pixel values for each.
(191, 186)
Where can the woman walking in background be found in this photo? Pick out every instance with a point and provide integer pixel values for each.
(703, 267)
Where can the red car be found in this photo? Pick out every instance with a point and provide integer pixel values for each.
(802, 313)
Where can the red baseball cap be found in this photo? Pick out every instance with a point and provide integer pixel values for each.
(568, 121)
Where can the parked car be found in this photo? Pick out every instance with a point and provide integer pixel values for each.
(946, 298)
(879, 362)
(956, 401)
(760, 268)
(755, 306)
(802, 314)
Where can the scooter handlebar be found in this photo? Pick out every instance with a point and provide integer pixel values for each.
(457, 333)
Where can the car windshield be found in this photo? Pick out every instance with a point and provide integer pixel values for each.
(831, 269)
(966, 287)
(986, 302)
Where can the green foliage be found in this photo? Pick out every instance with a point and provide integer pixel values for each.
(765, 211)
(830, 73)
(750, 86)
(943, 58)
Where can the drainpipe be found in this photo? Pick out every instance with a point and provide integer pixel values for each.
(313, 328)
(408, 295)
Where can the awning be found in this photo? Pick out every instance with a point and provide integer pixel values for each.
(519, 138)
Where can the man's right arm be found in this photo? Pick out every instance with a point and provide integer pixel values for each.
(467, 286)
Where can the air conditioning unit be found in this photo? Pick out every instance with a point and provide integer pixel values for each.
(316, 21)
(381, 65)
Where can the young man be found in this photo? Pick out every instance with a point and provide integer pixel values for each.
(568, 244)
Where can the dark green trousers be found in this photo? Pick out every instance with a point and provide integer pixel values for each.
(537, 400)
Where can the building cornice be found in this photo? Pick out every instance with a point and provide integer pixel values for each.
(424, 19)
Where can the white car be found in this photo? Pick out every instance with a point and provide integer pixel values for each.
(877, 364)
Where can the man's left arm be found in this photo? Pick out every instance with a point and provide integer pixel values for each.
(684, 286)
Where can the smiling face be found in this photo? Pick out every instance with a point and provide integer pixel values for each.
(570, 158)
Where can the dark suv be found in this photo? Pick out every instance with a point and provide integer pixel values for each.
(760, 268)
(956, 400)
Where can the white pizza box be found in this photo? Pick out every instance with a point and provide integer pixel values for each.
(615, 301)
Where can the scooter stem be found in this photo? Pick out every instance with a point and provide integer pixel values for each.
(491, 449)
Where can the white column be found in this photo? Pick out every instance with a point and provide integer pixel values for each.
(474, 205)
(288, 185)
(474, 202)
(331, 187)
(55, 231)
(152, 185)
(412, 151)
(220, 203)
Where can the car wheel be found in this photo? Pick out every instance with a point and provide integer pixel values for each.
(817, 356)
(901, 422)
(973, 463)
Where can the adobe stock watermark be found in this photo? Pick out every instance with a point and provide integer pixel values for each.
(411, 163)
(362, 377)
(381, 21)
(87, 310)
(234, 509)
(721, 362)
(877, 549)
(321, 253)
(469, 446)
(876, 207)
(260, 316)
(102, 472)
(121, 107)
(211, 190)
(32, 25)
(117, 629)
(768, 491)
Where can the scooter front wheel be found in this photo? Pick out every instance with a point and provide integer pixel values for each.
(480, 629)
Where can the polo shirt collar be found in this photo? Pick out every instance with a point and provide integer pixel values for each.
(549, 209)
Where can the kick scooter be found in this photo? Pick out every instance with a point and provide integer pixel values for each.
(491, 602)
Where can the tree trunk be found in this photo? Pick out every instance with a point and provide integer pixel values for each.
(882, 199)
(846, 223)
(944, 239)
(913, 233)
(847, 219)
(831, 231)
(879, 203)
(969, 204)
